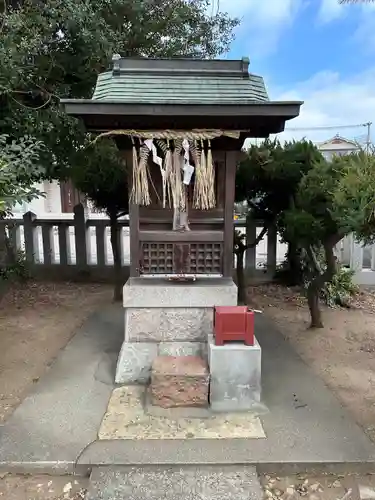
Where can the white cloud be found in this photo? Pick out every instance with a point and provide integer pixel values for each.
(263, 22)
(332, 101)
(273, 12)
(364, 35)
(330, 10)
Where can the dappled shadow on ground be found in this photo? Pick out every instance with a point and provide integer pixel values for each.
(36, 321)
(342, 353)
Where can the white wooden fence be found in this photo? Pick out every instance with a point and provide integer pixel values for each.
(358, 257)
(68, 246)
(76, 246)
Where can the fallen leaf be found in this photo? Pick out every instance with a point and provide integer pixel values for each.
(67, 487)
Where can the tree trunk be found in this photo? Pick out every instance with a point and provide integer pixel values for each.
(313, 302)
(240, 249)
(294, 264)
(319, 281)
(117, 264)
(241, 289)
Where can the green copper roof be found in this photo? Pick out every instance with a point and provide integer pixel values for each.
(180, 81)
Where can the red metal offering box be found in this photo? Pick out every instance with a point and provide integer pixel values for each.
(233, 323)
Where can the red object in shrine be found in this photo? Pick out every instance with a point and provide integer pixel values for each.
(233, 323)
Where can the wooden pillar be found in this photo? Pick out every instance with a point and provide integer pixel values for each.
(230, 176)
(134, 239)
(219, 159)
(133, 221)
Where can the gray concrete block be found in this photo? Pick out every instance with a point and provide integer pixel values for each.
(168, 324)
(158, 292)
(181, 349)
(175, 483)
(134, 363)
(175, 413)
(235, 371)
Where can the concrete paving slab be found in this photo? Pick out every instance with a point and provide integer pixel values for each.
(126, 419)
(56, 425)
(306, 427)
(175, 483)
(55, 422)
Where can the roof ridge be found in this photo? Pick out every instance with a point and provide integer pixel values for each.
(198, 67)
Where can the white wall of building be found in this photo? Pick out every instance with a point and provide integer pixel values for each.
(53, 197)
(337, 146)
(50, 202)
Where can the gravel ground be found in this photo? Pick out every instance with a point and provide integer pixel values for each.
(36, 321)
(341, 353)
(319, 487)
(42, 487)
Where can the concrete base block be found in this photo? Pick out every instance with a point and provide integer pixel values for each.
(235, 371)
(183, 349)
(164, 318)
(180, 381)
(159, 292)
(175, 413)
(134, 363)
(168, 324)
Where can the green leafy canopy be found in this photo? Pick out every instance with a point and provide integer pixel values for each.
(56, 48)
(19, 170)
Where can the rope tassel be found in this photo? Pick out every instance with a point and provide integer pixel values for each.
(175, 169)
(168, 165)
(135, 183)
(140, 194)
(211, 202)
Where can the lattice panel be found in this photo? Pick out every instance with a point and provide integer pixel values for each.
(178, 258)
(206, 258)
(157, 258)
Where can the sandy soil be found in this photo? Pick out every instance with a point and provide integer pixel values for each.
(36, 321)
(318, 487)
(42, 487)
(342, 353)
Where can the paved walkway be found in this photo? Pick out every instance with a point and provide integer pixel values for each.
(56, 426)
(62, 415)
(173, 483)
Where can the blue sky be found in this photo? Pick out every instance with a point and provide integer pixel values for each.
(317, 51)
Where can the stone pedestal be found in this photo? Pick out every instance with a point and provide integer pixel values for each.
(165, 318)
(235, 371)
(179, 382)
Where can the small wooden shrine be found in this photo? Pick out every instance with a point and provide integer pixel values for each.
(181, 124)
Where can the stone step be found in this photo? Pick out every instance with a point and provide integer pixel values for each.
(174, 483)
(179, 381)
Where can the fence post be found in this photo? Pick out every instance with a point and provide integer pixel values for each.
(121, 244)
(15, 238)
(64, 245)
(80, 236)
(345, 252)
(31, 238)
(48, 244)
(271, 249)
(101, 244)
(251, 234)
(356, 255)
